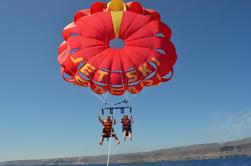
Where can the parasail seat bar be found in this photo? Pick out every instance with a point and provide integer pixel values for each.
(112, 109)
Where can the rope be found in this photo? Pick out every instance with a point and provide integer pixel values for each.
(109, 150)
(109, 146)
(122, 81)
(99, 97)
(103, 98)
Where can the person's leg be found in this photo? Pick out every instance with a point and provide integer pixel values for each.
(116, 138)
(130, 135)
(101, 140)
(124, 135)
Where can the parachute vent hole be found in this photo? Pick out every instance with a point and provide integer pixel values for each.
(153, 65)
(117, 86)
(117, 43)
(131, 69)
(168, 75)
(67, 76)
(160, 51)
(83, 76)
(74, 34)
(134, 83)
(81, 65)
(105, 69)
(150, 75)
(100, 83)
(117, 71)
(160, 35)
(74, 50)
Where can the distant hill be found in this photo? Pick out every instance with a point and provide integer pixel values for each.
(240, 148)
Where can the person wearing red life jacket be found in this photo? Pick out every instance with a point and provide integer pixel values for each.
(108, 130)
(127, 127)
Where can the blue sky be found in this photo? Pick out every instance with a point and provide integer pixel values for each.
(41, 116)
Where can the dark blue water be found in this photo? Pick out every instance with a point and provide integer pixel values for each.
(220, 162)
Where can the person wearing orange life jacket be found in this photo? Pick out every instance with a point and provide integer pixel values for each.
(127, 127)
(108, 130)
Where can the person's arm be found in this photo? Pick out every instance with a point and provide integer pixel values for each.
(114, 122)
(131, 120)
(100, 119)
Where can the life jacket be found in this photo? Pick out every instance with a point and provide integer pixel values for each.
(126, 123)
(107, 127)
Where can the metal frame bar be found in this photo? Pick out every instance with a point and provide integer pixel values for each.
(112, 109)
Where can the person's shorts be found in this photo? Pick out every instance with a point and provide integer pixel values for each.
(108, 134)
(127, 130)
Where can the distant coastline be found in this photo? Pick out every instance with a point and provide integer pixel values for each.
(240, 148)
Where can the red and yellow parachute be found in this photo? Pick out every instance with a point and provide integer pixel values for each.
(147, 58)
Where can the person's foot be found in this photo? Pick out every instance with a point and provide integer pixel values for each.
(100, 143)
(117, 142)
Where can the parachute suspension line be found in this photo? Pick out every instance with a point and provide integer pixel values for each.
(106, 82)
(100, 97)
(106, 98)
(127, 95)
(123, 85)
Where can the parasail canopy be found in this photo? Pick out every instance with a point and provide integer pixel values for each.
(146, 58)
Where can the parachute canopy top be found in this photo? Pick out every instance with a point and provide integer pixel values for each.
(146, 58)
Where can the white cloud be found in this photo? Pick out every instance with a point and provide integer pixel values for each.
(232, 127)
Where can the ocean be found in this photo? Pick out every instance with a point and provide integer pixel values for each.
(218, 162)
